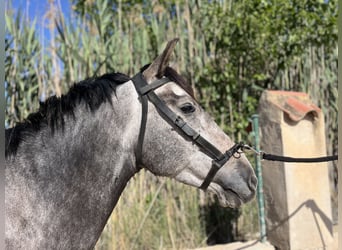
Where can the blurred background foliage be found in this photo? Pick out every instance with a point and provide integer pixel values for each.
(230, 51)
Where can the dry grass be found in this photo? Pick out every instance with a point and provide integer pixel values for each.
(154, 213)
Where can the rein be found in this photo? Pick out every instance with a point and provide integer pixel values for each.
(270, 157)
(146, 93)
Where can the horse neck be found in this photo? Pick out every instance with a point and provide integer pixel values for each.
(78, 174)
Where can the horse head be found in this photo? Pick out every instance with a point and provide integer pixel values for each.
(167, 148)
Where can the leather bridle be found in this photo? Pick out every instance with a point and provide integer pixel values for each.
(146, 93)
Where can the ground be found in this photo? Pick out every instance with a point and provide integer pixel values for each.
(248, 245)
(256, 245)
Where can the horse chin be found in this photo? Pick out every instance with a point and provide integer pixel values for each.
(226, 198)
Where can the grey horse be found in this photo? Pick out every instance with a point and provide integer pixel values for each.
(68, 163)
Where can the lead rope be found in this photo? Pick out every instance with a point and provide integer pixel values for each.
(271, 157)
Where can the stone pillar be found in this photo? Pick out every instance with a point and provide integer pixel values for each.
(297, 195)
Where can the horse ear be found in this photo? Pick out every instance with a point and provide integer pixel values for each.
(158, 66)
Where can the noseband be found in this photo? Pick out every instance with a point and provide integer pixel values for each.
(146, 93)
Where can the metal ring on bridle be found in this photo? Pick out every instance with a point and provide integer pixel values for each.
(237, 155)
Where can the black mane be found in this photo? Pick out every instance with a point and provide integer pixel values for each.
(92, 91)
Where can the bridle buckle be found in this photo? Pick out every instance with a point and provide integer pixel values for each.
(180, 122)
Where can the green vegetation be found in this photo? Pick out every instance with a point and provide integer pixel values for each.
(230, 51)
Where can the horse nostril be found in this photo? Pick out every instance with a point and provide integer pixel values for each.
(253, 181)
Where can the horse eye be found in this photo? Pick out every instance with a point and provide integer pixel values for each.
(188, 108)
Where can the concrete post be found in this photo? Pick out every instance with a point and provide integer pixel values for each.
(297, 195)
